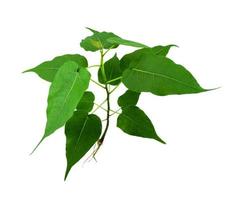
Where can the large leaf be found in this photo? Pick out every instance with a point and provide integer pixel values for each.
(65, 93)
(112, 71)
(159, 75)
(82, 131)
(47, 70)
(87, 102)
(136, 55)
(134, 121)
(129, 98)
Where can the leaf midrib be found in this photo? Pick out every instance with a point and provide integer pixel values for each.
(164, 76)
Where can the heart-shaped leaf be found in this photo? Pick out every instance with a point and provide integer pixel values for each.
(47, 70)
(82, 131)
(159, 75)
(134, 121)
(65, 93)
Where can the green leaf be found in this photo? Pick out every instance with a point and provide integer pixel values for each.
(120, 41)
(97, 41)
(129, 98)
(162, 50)
(106, 40)
(87, 102)
(112, 71)
(134, 121)
(160, 76)
(82, 131)
(136, 55)
(47, 70)
(65, 93)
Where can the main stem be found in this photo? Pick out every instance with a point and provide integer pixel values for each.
(101, 140)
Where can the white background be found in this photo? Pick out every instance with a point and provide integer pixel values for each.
(192, 164)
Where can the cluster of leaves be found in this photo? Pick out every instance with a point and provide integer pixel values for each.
(70, 104)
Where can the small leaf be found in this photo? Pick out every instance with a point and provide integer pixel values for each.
(82, 131)
(134, 121)
(120, 41)
(129, 98)
(87, 102)
(47, 70)
(136, 55)
(112, 71)
(65, 93)
(160, 76)
(97, 41)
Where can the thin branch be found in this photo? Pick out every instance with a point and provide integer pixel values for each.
(108, 50)
(94, 66)
(101, 140)
(115, 79)
(97, 83)
(114, 89)
(113, 111)
(99, 106)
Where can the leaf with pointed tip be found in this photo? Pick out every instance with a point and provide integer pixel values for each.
(65, 93)
(92, 30)
(157, 50)
(129, 98)
(82, 131)
(160, 76)
(47, 70)
(87, 101)
(134, 121)
(112, 71)
(120, 41)
(162, 50)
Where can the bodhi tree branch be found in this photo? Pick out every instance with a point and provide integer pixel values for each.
(70, 103)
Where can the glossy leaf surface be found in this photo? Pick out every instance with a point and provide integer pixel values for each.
(47, 70)
(112, 71)
(65, 93)
(82, 131)
(136, 55)
(159, 75)
(134, 121)
(129, 98)
(87, 101)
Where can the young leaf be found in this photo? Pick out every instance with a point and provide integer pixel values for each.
(47, 70)
(82, 131)
(112, 71)
(65, 93)
(97, 41)
(134, 121)
(160, 76)
(87, 102)
(120, 41)
(106, 40)
(134, 56)
(129, 98)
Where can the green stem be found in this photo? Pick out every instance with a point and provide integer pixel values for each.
(115, 79)
(97, 83)
(102, 65)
